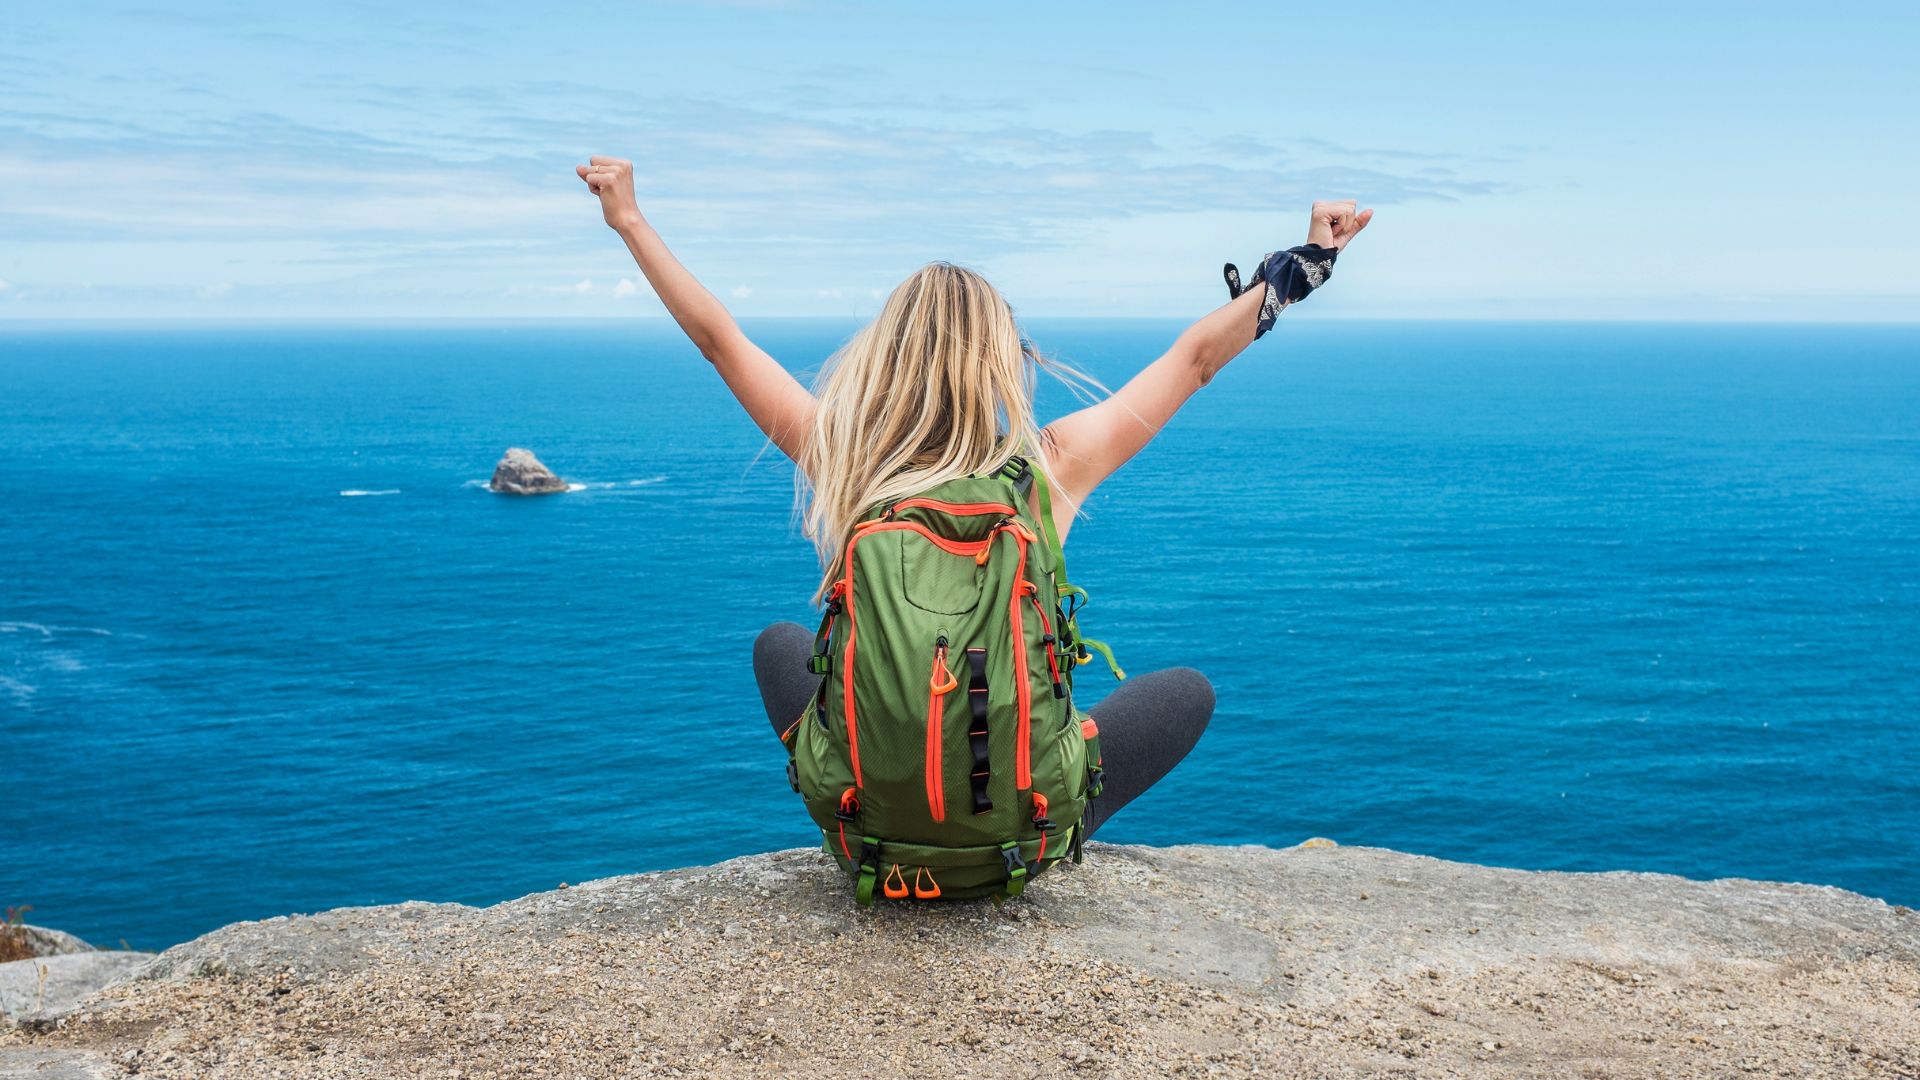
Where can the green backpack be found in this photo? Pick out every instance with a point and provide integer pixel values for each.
(942, 756)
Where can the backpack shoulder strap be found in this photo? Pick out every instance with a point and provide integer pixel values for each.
(1025, 476)
(1046, 523)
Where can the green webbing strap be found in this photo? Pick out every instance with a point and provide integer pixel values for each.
(821, 662)
(869, 870)
(1046, 525)
(1106, 653)
(1016, 868)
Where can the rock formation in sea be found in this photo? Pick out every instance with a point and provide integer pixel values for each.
(520, 473)
(1314, 961)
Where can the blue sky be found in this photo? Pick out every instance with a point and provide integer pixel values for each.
(1609, 161)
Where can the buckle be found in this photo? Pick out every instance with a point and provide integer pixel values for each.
(1044, 824)
(793, 774)
(820, 663)
(1095, 779)
(1010, 854)
(869, 851)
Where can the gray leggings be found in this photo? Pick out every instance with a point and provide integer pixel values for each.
(1147, 724)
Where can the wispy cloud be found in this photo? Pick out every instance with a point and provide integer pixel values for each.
(364, 205)
(863, 183)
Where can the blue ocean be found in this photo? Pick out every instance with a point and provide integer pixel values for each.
(1559, 596)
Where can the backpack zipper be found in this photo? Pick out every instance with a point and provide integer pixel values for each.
(938, 685)
(962, 509)
(1023, 750)
(867, 528)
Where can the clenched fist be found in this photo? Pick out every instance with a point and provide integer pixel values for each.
(612, 180)
(1333, 224)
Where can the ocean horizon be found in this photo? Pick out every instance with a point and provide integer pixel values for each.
(1551, 595)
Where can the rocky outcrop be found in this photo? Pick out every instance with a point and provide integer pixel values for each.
(43, 989)
(520, 473)
(1315, 961)
(20, 940)
(56, 974)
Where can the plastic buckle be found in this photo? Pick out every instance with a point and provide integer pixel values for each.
(848, 815)
(1010, 854)
(1044, 824)
(869, 851)
(1096, 777)
(820, 663)
(793, 774)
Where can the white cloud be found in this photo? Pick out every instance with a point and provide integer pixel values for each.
(4, 286)
(214, 291)
(375, 220)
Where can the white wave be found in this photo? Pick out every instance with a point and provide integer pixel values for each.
(46, 631)
(352, 492)
(572, 485)
(609, 485)
(20, 692)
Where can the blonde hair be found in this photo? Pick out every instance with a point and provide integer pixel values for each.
(939, 386)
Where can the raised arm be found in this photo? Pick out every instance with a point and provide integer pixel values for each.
(774, 398)
(1085, 447)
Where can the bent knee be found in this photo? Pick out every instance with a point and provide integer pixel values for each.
(779, 639)
(1191, 686)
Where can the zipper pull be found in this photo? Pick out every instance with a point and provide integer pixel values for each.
(942, 680)
(931, 890)
(894, 885)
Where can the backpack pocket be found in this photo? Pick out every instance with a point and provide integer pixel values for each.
(1060, 769)
(938, 581)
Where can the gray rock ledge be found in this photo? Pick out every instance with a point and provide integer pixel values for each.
(1318, 961)
(41, 989)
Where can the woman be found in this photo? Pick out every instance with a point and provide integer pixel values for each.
(936, 390)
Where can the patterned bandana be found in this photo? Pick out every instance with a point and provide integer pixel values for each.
(1289, 276)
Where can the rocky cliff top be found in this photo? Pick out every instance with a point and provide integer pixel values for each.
(1309, 961)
